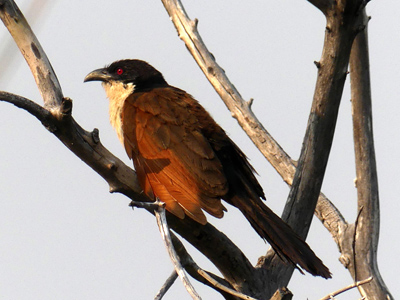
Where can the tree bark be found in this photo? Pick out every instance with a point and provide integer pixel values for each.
(342, 25)
(362, 255)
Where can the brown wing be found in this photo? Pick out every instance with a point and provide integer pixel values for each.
(173, 160)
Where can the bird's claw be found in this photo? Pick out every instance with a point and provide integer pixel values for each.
(156, 205)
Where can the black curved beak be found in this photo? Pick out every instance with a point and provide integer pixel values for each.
(98, 75)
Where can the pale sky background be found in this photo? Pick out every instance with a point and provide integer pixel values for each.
(63, 236)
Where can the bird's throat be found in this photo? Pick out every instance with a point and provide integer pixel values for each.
(117, 92)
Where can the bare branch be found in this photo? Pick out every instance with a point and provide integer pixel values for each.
(365, 264)
(30, 106)
(7, 54)
(192, 269)
(34, 55)
(219, 286)
(166, 286)
(164, 230)
(345, 289)
(343, 24)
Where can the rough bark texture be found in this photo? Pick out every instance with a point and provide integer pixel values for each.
(362, 255)
(342, 26)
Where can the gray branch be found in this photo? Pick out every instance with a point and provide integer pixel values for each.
(37, 60)
(166, 236)
(345, 289)
(364, 264)
(343, 23)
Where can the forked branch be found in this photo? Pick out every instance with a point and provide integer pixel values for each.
(343, 24)
(241, 110)
(326, 102)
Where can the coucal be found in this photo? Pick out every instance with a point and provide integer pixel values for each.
(185, 159)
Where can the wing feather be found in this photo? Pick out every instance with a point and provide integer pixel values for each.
(165, 141)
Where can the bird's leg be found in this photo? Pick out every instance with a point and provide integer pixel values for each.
(155, 206)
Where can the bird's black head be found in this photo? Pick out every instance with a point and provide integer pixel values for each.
(129, 71)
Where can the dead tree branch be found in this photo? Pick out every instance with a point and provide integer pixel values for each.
(366, 236)
(193, 270)
(345, 289)
(343, 23)
(166, 286)
(207, 278)
(164, 230)
(37, 60)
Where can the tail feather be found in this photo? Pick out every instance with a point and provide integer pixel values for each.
(280, 236)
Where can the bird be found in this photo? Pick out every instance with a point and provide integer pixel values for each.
(186, 160)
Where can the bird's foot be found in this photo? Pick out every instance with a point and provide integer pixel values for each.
(156, 205)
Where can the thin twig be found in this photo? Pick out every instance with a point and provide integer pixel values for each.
(222, 287)
(164, 230)
(166, 286)
(345, 289)
(354, 239)
(159, 210)
(191, 268)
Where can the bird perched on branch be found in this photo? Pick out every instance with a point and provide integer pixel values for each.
(185, 159)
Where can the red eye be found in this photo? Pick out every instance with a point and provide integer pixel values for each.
(120, 71)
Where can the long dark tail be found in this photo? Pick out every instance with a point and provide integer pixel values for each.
(280, 236)
(245, 193)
